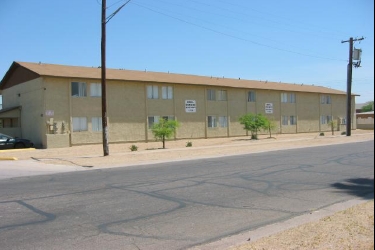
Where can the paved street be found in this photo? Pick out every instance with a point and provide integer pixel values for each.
(181, 204)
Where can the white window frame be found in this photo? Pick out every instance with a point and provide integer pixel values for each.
(152, 92)
(212, 121)
(325, 119)
(151, 120)
(284, 97)
(81, 91)
(292, 98)
(79, 124)
(222, 95)
(251, 96)
(325, 99)
(223, 121)
(167, 92)
(211, 95)
(96, 124)
(95, 89)
(329, 118)
(169, 118)
(293, 120)
(285, 120)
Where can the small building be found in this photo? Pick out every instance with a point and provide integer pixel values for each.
(60, 106)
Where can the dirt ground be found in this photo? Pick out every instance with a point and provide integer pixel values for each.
(349, 229)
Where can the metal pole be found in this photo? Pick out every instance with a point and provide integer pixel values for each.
(104, 92)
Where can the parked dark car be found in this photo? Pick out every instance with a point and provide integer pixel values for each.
(8, 142)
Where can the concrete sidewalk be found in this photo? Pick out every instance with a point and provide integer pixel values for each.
(29, 162)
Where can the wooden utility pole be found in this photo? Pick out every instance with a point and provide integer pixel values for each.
(349, 86)
(104, 87)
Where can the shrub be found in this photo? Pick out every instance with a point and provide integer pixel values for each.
(343, 133)
(321, 134)
(189, 144)
(133, 148)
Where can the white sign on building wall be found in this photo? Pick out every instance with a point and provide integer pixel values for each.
(190, 106)
(269, 108)
(50, 113)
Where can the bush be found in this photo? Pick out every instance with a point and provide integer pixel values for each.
(133, 148)
(189, 144)
(343, 133)
(321, 134)
(254, 137)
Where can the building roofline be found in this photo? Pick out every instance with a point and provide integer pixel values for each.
(9, 109)
(80, 72)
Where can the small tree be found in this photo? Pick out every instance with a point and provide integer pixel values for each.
(253, 123)
(333, 124)
(164, 130)
(269, 126)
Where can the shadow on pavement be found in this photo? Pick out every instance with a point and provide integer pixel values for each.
(360, 187)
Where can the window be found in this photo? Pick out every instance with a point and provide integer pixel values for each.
(79, 89)
(96, 89)
(167, 92)
(152, 92)
(325, 99)
(96, 123)
(79, 124)
(293, 120)
(222, 95)
(292, 98)
(9, 123)
(211, 95)
(251, 97)
(223, 121)
(284, 97)
(343, 121)
(329, 118)
(212, 121)
(168, 118)
(152, 120)
(285, 120)
(325, 119)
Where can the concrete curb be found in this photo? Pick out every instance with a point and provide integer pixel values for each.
(16, 150)
(272, 229)
(8, 159)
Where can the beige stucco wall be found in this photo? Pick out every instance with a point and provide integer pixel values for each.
(237, 107)
(192, 125)
(29, 95)
(128, 109)
(308, 112)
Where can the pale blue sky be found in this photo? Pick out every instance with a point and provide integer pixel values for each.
(291, 41)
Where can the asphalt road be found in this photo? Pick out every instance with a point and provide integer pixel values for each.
(181, 204)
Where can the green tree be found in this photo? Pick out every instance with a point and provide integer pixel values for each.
(333, 124)
(269, 126)
(253, 123)
(368, 107)
(165, 129)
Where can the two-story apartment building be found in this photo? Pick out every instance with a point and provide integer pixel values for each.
(60, 106)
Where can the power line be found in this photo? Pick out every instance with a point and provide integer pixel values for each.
(114, 13)
(282, 17)
(235, 37)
